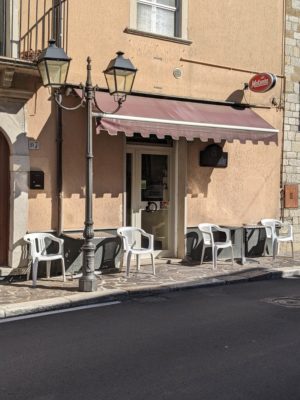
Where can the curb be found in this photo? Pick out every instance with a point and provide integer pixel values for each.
(82, 299)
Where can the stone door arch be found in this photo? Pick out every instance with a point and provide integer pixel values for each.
(4, 200)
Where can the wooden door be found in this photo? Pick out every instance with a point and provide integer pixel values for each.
(4, 200)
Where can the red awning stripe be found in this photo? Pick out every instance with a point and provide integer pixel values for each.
(190, 132)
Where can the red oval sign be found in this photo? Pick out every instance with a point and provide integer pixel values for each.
(261, 83)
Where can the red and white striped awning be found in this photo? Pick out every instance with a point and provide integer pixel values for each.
(188, 119)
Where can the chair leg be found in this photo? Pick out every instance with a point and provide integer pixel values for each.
(48, 266)
(274, 246)
(138, 266)
(63, 269)
(34, 272)
(275, 249)
(269, 244)
(215, 255)
(29, 269)
(123, 256)
(232, 257)
(202, 254)
(153, 265)
(292, 246)
(128, 263)
(265, 248)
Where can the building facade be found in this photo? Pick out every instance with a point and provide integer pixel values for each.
(291, 146)
(192, 144)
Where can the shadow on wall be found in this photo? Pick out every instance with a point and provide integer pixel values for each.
(39, 22)
(199, 181)
(236, 96)
(107, 161)
(108, 256)
(23, 255)
(21, 181)
(43, 159)
(255, 241)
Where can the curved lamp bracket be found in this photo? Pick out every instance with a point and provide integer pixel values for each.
(119, 100)
(57, 98)
(58, 93)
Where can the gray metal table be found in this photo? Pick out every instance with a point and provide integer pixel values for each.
(243, 259)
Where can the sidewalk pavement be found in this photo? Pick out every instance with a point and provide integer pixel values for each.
(19, 298)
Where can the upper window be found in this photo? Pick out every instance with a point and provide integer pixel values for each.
(159, 16)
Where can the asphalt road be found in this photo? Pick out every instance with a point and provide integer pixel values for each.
(230, 342)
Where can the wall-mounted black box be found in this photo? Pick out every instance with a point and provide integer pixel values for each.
(213, 156)
(36, 180)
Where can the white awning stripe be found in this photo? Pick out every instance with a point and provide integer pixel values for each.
(183, 123)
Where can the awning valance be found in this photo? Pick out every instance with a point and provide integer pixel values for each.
(188, 119)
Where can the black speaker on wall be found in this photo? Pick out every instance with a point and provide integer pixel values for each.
(213, 156)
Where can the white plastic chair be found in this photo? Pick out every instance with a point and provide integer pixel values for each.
(132, 239)
(208, 241)
(38, 252)
(272, 226)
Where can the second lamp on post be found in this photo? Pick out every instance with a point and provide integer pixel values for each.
(53, 64)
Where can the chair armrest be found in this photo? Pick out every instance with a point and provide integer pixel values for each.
(125, 245)
(227, 233)
(289, 227)
(150, 238)
(59, 241)
(28, 241)
(278, 223)
(269, 231)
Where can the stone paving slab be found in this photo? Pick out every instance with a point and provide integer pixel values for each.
(19, 298)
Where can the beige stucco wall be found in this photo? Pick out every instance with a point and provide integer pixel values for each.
(241, 35)
(232, 33)
(108, 170)
(244, 192)
(41, 127)
(237, 194)
(108, 175)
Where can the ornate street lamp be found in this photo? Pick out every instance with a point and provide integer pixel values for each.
(120, 75)
(53, 64)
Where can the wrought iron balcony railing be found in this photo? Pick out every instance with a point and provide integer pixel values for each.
(27, 25)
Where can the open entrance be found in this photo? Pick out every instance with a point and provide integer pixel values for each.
(4, 200)
(149, 188)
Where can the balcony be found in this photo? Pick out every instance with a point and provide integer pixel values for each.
(25, 29)
(27, 25)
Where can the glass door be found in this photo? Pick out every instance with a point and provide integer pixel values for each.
(148, 202)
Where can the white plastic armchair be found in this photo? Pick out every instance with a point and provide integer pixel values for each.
(208, 241)
(272, 226)
(38, 252)
(132, 245)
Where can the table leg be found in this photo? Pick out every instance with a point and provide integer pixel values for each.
(243, 257)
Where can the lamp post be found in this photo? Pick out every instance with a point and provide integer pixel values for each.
(53, 64)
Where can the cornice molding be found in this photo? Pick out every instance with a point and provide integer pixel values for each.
(10, 93)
